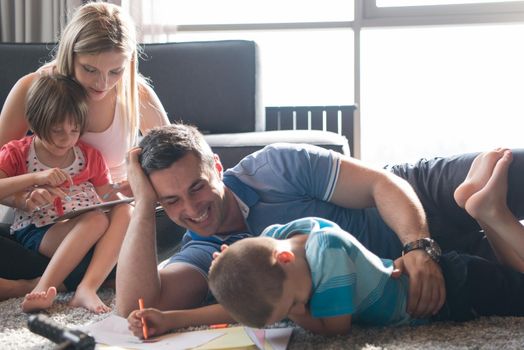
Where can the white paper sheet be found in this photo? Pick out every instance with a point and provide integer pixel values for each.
(113, 331)
(270, 338)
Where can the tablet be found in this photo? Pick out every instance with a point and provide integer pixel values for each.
(104, 206)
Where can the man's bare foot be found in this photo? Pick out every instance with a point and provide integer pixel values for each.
(484, 205)
(16, 288)
(40, 300)
(89, 299)
(478, 175)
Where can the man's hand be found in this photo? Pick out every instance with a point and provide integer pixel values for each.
(427, 291)
(139, 182)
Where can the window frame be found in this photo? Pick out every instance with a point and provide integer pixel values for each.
(447, 14)
(366, 15)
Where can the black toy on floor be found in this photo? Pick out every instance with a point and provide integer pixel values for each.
(66, 338)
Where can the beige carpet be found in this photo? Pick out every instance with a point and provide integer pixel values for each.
(485, 333)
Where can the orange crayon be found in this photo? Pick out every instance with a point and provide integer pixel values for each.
(144, 324)
(219, 325)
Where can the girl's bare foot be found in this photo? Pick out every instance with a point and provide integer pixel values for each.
(478, 175)
(486, 203)
(88, 299)
(40, 300)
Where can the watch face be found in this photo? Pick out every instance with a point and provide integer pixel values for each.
(429, 245)
(433, 249)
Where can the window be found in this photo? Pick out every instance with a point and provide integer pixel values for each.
(435, 91)
(395, 3)
(433, 77)
(305, 46)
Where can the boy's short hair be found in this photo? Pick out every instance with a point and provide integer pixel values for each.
(52, 100)
(164, 145)
(247, 281)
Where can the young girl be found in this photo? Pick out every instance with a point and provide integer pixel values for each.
(98, 49)
(62, 174)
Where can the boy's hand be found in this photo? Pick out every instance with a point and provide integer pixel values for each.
(53, 177)
(157, 322)
(398, 268)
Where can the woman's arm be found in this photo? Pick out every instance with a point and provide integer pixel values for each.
(107, 192)
(13, 124)
(151, 109)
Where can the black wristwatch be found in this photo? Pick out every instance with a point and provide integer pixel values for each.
(429, 245)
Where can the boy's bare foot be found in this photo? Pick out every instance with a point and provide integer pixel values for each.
(36, 301)
(478, 175)
(486, 203)
(89, 299)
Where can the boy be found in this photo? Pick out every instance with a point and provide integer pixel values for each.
(322, 278)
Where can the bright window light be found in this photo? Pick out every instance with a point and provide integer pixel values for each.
(398, 3)
(297, 67)
(185, 12)
(436, 91)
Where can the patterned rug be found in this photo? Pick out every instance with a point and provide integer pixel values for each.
(485, 333)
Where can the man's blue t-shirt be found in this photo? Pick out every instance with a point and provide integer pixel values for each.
(346, 277)
(284, 182)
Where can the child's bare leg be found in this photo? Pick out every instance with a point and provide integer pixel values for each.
(478, 175)
(103, 261)
(489, 207)
(66, 243)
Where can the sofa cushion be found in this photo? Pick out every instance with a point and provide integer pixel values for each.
(210, 84)
(19, 59)
(231, 148)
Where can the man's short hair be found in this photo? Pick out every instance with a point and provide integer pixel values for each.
(247, 281)
(164, 145)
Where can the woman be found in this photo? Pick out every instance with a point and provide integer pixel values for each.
(98, 49)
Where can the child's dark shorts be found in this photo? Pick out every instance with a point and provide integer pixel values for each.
(31, 236)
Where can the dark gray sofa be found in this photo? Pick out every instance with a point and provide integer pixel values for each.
(213, 85)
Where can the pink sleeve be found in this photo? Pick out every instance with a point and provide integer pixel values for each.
(13, 157)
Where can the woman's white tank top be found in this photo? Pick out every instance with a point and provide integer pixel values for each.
(113, 143)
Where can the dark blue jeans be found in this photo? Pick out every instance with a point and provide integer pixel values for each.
(435, 181)
(479, 287)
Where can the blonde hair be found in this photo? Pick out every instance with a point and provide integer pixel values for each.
(100, 27)
(247, 281)
(52, 100)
